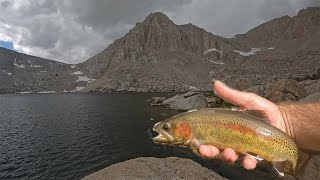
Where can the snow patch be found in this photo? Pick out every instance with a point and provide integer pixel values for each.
(216, 62)
(77, 73)
(36, 66)
(271, 48)
(43, 71)
(85, 78)
(7, 73)
(73, 66)
(191, 87)
(26, 92)
(252, 52)
(211, 50)
(46, 92)
(79, 88)
(19, 66)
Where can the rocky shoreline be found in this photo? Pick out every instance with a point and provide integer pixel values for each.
(283, 90)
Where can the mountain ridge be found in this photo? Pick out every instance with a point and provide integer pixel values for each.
(286, 31)
(25, 73)
(158, 55)
(148, 44)
(158, 36)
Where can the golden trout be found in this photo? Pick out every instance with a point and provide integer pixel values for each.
(239, 130)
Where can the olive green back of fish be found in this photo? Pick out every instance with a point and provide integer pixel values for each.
(243, 133)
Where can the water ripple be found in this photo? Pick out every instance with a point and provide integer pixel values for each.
(68, 135)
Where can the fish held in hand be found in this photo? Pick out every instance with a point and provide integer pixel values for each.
(239, 130)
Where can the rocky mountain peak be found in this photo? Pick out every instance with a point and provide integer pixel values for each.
(158, 18)
(137, 61)
(158, 33)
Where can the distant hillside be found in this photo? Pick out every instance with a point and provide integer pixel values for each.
(24, 73)
(301, 31)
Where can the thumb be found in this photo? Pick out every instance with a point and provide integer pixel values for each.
(250, 101)
(243, 99)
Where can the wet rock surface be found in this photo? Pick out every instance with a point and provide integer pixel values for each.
(187, 101)
(155, 169)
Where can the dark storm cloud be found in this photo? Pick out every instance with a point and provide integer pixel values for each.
(73, 30)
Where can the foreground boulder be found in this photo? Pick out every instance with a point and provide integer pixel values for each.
(187, 101)
(179, 168)
(155, 168)
(156, 101)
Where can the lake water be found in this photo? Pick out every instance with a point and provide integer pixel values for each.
(68, 136)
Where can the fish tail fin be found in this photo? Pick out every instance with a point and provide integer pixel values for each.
(302, 159)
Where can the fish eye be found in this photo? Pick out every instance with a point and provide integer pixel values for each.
(166, 126)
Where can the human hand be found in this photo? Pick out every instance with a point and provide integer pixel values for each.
(246, 101)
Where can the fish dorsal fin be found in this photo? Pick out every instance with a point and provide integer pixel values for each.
(277, 165)
(258, 114)
(257, 157)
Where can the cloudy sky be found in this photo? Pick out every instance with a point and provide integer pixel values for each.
(73, 30)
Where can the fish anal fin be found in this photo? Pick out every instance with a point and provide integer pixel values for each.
(257, 157)
(278, 166)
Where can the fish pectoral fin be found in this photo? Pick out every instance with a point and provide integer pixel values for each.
(195, 145)
(278, 166)
(257, 157)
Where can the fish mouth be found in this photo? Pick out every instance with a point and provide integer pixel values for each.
(163, 136)
(160, 139)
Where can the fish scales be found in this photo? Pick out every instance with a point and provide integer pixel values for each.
(226, 128)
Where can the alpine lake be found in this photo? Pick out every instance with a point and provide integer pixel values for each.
(71, 135)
